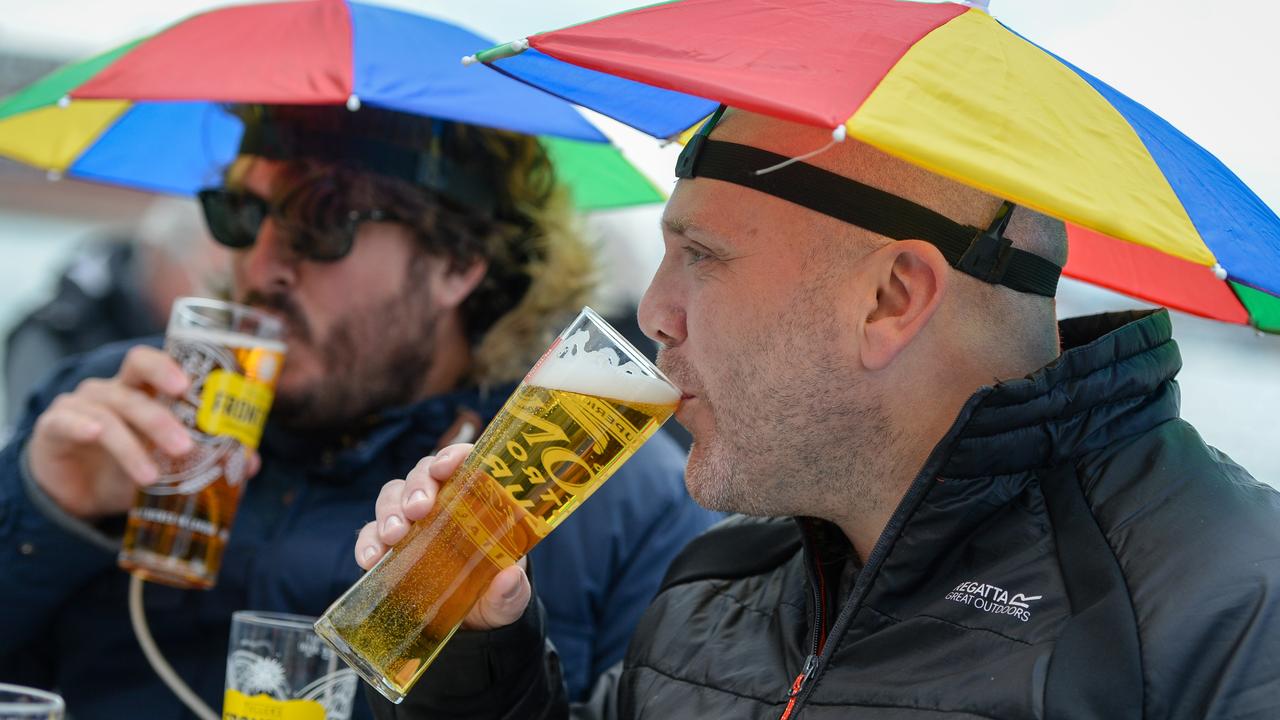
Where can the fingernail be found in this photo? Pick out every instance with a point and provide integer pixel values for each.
(391, 523)
(417, 496)
(180, 441)
(444, 455)
(368, 554)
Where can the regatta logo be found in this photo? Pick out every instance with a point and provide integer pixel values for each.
(994, 600)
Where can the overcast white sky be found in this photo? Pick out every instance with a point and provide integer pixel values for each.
(1210, 68)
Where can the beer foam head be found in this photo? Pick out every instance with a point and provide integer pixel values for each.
(602, 372)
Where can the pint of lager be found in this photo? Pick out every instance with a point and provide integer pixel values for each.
(586, 407)
(178, 526)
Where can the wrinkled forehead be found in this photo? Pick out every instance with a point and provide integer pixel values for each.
(729, 217)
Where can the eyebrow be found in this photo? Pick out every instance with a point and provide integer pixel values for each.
(680, 226)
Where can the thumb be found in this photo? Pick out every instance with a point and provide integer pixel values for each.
(503, 603)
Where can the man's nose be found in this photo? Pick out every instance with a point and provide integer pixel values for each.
(271, 264)
(661, 315)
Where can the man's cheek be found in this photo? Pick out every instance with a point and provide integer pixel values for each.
(299, 366)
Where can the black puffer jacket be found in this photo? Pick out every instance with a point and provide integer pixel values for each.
(1070, 550)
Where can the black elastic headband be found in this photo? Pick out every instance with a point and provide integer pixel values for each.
(432, 171)
(984, 254)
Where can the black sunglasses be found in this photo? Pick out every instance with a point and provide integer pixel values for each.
(320, 228)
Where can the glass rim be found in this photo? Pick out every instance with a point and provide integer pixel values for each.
(263, 317)
(51, 701)
(631, 351)
(264, 618)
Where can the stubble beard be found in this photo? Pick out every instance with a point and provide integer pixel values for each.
(811, 440)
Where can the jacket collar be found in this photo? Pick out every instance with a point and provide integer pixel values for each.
(1113, 379)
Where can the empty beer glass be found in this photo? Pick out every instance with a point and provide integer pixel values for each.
(23, 703)
(587, 406)
(277, 667)
(178, 527)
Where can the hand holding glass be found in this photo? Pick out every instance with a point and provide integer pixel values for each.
(179, 526)
(587, 406)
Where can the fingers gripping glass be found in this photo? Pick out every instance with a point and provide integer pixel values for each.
(587, 406)
(320, 228)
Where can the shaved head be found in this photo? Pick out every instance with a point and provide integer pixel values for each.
(1012, 328)
(821, 362)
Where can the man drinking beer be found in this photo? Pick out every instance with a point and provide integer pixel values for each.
(419, 268)
(962, 508)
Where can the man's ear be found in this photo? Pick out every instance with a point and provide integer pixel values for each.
(910, 279)
(456, 284)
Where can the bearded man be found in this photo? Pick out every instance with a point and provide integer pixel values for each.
(419, 267)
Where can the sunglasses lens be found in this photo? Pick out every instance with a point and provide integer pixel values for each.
(233, 218)
(327, 244)
(317, 216)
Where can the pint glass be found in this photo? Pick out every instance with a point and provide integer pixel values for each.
(586, 407)
(178, 526)
(24, 703)
(277, 669)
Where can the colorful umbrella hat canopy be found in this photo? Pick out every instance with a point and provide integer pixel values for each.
(148, 114)
(947, 87)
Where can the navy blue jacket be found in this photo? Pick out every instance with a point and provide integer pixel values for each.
(63, 617)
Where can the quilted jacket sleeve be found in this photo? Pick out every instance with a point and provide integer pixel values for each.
(45, 554)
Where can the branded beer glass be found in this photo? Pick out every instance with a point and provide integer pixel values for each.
(178, 526)
(586, 407)
(277, 667)
(24, 703)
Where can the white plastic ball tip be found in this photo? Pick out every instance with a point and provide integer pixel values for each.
(469, 60)
(520, 45)
(1219, 272)
(353, 103)
(840, 133)
(64, 101)
(53, 175)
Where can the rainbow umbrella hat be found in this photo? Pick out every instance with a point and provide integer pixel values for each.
(947, 87)
(148, 114)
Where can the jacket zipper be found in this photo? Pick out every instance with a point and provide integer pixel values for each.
(905, 508)
(810, 662)
(798, 685)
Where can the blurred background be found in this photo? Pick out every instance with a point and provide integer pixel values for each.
(1210, 69)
